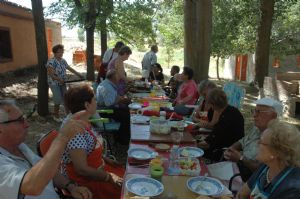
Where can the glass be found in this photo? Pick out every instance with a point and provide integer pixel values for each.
(19, 119)
(176, 137)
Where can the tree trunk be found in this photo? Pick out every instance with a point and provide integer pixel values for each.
(263, 42)
(42, 53)
(103, 37)
(90, 53)
(197, 28)
(217, 65)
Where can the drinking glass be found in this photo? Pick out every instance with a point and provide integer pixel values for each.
(176, 137)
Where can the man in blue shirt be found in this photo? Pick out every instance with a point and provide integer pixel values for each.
(107, 97)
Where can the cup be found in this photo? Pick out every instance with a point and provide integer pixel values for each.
(156, 172)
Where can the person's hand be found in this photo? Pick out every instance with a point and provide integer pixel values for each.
(203, 145)
(81, 193)
(73, 126)
(115, 180)
(61, 81)
(232, 155)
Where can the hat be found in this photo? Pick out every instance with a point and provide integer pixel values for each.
(276, 105)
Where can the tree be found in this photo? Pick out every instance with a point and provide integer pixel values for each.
(197, 28)
(42, 53)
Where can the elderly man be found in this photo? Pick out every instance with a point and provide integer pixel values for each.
(107, 97)
(150, 58)
(22, 173)
(244, 151)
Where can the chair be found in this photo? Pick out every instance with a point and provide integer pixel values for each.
(235, 94)
(43, 146)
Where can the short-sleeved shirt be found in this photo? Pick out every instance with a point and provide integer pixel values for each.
(13, 170)
(149, 59)
(106, 93)
(109, 55)
(250, 143)
(84, 141)
(289, 188)
(188, 88)
(60, 67)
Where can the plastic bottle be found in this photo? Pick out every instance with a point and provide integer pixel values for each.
(173, 156)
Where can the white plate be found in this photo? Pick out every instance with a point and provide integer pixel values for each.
(135, 106)
(139, 119)
(143, 186)
(204, 185)
(192, 152)
(141, 153)
(175, 124)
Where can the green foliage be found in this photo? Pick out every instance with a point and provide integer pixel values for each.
(80, 34)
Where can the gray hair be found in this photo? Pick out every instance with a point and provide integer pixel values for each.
(284, 140)
(110, 74)
(204, 84)
(3, 111)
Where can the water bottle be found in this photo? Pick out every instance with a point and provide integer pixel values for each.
(173, 156)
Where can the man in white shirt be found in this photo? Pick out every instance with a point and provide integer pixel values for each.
(150, 58)
(244, 151)
(24, 174)
(112, 53)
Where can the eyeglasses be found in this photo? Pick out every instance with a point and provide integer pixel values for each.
(257, 111)
(262, 143)
(20, 119)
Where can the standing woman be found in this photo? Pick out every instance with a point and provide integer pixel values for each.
(118, 65)
(56, 69)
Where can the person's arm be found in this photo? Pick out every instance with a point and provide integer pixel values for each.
(79, 160)
(244, 192)
(51, 72)
(77, 192)
(75, 72)
(39, 175)
(107, 56)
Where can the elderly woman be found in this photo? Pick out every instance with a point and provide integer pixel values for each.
(228, 129)
(187, 93)
(279, 176)
(82, 160)
(118, 65)
(56, 69)
(204, 114)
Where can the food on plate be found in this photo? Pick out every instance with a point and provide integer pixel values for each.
(188, 164)
(162, 147)
(185, 152)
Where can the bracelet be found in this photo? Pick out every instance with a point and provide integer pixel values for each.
(71, 182)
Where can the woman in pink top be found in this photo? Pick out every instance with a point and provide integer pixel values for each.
(118, 65)
(188, 91)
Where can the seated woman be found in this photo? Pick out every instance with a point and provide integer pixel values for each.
(187, 93)
(204, 115)
(279, 176)
(156, 74)
(82, 160)
(228, 129)
(173, 84)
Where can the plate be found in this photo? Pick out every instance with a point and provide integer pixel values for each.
(162, 147)
(204, 185)
(135, 106)
(141, 153)
(175, 124)
(139, 119)
(143, 186)
(192, 152)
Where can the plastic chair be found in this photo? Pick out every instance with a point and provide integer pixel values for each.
(235, 94)
(43, 146)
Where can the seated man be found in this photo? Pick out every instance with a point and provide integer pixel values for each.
(107, 97)
(228, 129)
(173, 84)
(22, 173)
(244, 151)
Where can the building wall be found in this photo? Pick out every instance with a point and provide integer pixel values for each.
(20, 23)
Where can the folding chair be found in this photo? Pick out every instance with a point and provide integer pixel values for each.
(43, 146)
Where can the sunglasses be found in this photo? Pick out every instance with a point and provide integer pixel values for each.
(20, 119)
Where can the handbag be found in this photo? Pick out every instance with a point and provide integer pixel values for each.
(103, 69)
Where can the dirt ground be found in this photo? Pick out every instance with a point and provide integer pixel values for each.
(23, 88)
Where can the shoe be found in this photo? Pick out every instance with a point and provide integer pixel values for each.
(57, 119)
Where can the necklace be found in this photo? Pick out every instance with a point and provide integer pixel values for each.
(268, 177)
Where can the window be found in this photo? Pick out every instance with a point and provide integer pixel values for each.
(5, 45)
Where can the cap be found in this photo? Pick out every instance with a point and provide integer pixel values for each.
(276, 105)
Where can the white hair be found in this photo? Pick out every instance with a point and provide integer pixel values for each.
(3, 112)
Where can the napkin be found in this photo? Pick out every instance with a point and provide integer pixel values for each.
(221, 170)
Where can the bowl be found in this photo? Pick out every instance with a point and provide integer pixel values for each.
(160, 126)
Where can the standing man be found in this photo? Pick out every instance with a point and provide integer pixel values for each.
(150, 58)
(25, 175)
(244, 151)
